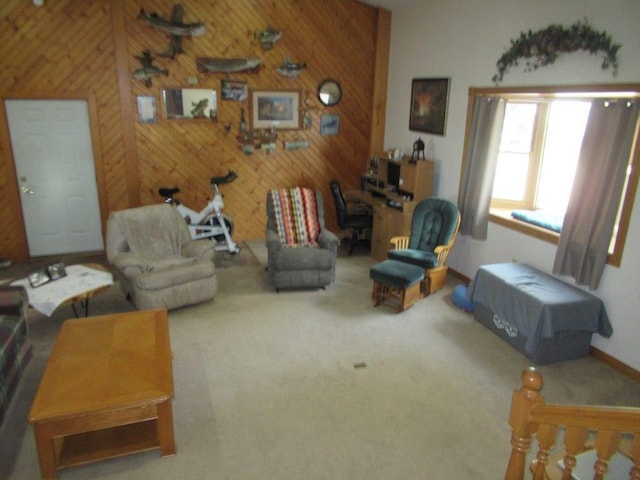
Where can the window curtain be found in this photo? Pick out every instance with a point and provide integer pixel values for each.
(597, 188)
(474, 198)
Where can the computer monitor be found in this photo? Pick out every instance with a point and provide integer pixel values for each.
(393, 174)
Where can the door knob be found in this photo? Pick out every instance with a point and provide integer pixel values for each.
(27, 190)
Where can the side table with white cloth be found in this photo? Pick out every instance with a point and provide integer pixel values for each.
(81, 283)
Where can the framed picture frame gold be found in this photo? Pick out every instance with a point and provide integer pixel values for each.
(278, 109)
(428, 112)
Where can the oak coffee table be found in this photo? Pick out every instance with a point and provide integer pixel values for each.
(107, 391)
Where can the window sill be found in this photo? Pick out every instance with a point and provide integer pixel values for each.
(504, 218)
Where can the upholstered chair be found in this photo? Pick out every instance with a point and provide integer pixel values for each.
(157, 263)
(308, 262)
(434, 227)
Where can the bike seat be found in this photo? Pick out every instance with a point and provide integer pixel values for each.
(168, 192)
(229, 177)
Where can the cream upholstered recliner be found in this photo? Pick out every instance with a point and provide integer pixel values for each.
(157, 263)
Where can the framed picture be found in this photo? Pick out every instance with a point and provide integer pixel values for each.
(56, 270)
(184, 103)
(429, 105)
(39, 277)
(329, 124)
(147, 109)
(278, 109)
(234, 90)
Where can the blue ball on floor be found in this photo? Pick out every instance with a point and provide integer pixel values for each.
(460, 299)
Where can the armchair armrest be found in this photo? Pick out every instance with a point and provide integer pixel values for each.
(329, 240)
(130, 264)
(399, 243)
(273, 241)
(442, 252)
(200, 249)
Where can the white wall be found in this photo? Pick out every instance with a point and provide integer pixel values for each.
(462, 39)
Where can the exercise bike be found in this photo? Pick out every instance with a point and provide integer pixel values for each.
(208, 222)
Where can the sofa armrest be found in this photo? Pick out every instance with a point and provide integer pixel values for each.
(200, 249)
(130, 264)
(13, 300)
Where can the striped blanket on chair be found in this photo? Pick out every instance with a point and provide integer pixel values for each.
(296, 215)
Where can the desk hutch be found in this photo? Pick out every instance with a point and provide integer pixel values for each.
(393, 207)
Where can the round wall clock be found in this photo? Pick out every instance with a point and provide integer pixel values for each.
(329, 92)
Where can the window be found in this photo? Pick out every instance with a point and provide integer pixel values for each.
(540, 142)
(538, 154)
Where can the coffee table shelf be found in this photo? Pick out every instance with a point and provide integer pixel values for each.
(113, 442)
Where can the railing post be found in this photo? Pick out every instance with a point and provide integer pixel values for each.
(522, 402)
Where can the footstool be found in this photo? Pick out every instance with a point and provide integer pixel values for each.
(396, 283)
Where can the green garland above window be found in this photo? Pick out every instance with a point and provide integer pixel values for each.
(543, 47)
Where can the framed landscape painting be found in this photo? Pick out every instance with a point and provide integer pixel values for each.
(429, 105)
(278, 109)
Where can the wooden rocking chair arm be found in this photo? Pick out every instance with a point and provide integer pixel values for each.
(399, 242)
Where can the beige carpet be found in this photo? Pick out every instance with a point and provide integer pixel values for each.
(267, 386)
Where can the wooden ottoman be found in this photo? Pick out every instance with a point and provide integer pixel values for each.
(396, 284)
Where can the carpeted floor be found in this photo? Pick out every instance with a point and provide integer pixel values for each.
(318, 384)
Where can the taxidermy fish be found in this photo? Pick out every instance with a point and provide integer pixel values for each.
(175, 41)
(171, 27)
(268, 37)
(227, 65)
(148, 69)
(199, 108)
(290, 69)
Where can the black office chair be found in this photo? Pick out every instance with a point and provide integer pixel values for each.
(354, 219)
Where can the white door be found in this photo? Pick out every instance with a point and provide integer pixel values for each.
(51, 142)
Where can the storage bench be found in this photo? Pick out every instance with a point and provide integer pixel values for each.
(543, 317)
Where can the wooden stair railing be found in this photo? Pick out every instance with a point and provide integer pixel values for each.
(530, 416)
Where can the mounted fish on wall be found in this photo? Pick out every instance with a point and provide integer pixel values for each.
(227, 65)
(148, 70)
(290, 69)
(174, 27)
(268, 37)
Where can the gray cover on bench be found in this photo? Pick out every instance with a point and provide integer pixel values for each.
(538, 305)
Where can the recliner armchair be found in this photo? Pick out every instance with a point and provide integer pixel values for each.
(302, 266)
(434, 227)
(157, 263)
(349, 219)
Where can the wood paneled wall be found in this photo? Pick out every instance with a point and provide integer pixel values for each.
(87, 49)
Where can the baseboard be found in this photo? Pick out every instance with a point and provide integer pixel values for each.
(459, 276)
(596, 353)
(616, 364)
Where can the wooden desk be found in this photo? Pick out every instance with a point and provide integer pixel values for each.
(392, 220)
(387, 221)
(106, 391)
